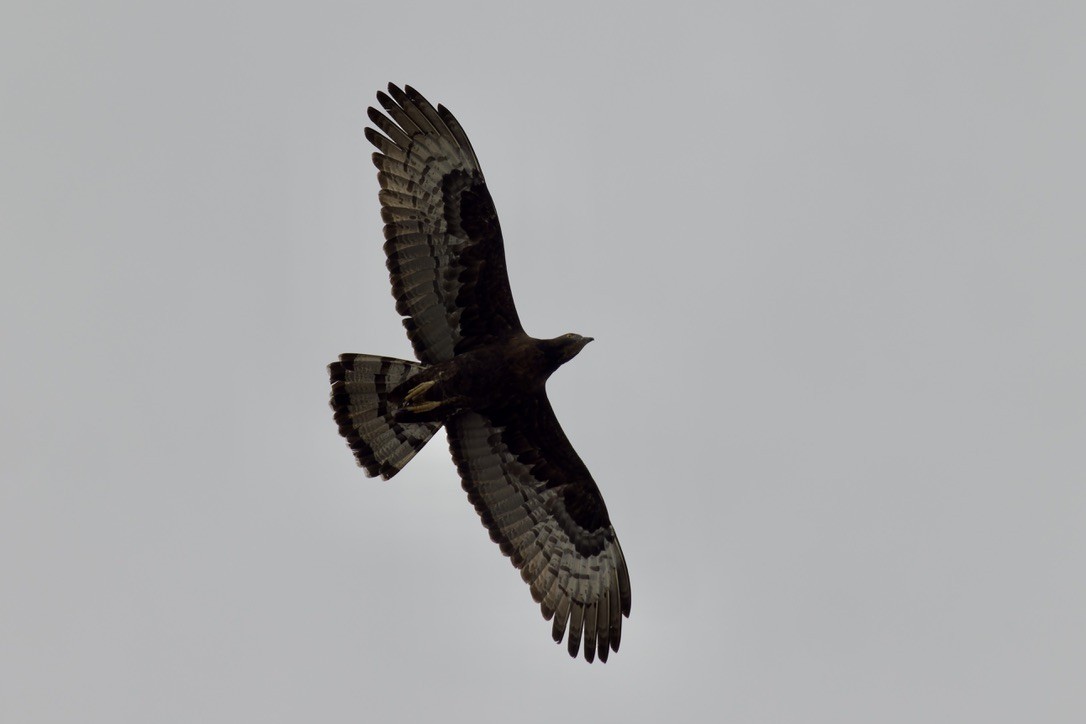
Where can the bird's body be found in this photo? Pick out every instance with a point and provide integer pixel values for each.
(498, 374)
(481, 376)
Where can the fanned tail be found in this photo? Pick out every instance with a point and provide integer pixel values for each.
(361, 384)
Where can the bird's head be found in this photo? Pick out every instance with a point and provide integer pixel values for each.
(563, 349)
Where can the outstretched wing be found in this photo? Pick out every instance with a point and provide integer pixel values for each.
(444, 245)
(542, 507)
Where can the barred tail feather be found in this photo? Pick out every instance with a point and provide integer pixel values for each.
(360, 387)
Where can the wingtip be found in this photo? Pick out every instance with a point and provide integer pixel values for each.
(386, 102)
(397, 93)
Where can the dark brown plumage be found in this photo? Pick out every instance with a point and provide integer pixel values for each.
(481, 376)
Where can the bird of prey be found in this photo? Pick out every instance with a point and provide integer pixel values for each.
(480, 376)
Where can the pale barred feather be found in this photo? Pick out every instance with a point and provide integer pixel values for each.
(538, 571)
(615, 633)
(431, 114)
(415, 246)
(576, 619)
(393, 197)
(458, 134)
(590, 630)
(411, 108)
(410, 215)
(550, 581)
(532, 551)
(387, 127)
(398, 114)
(603, 636)
(561, 619)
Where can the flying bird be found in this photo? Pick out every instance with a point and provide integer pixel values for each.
(480, 376)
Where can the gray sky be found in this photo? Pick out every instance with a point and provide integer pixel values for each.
(833, 258)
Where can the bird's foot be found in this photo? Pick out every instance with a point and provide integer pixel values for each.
(411, 411)
(418, 391)
(420, 407)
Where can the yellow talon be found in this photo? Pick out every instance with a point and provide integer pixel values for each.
(418, 391)
(421, 407)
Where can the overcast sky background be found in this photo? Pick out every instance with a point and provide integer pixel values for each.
(833, 256)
